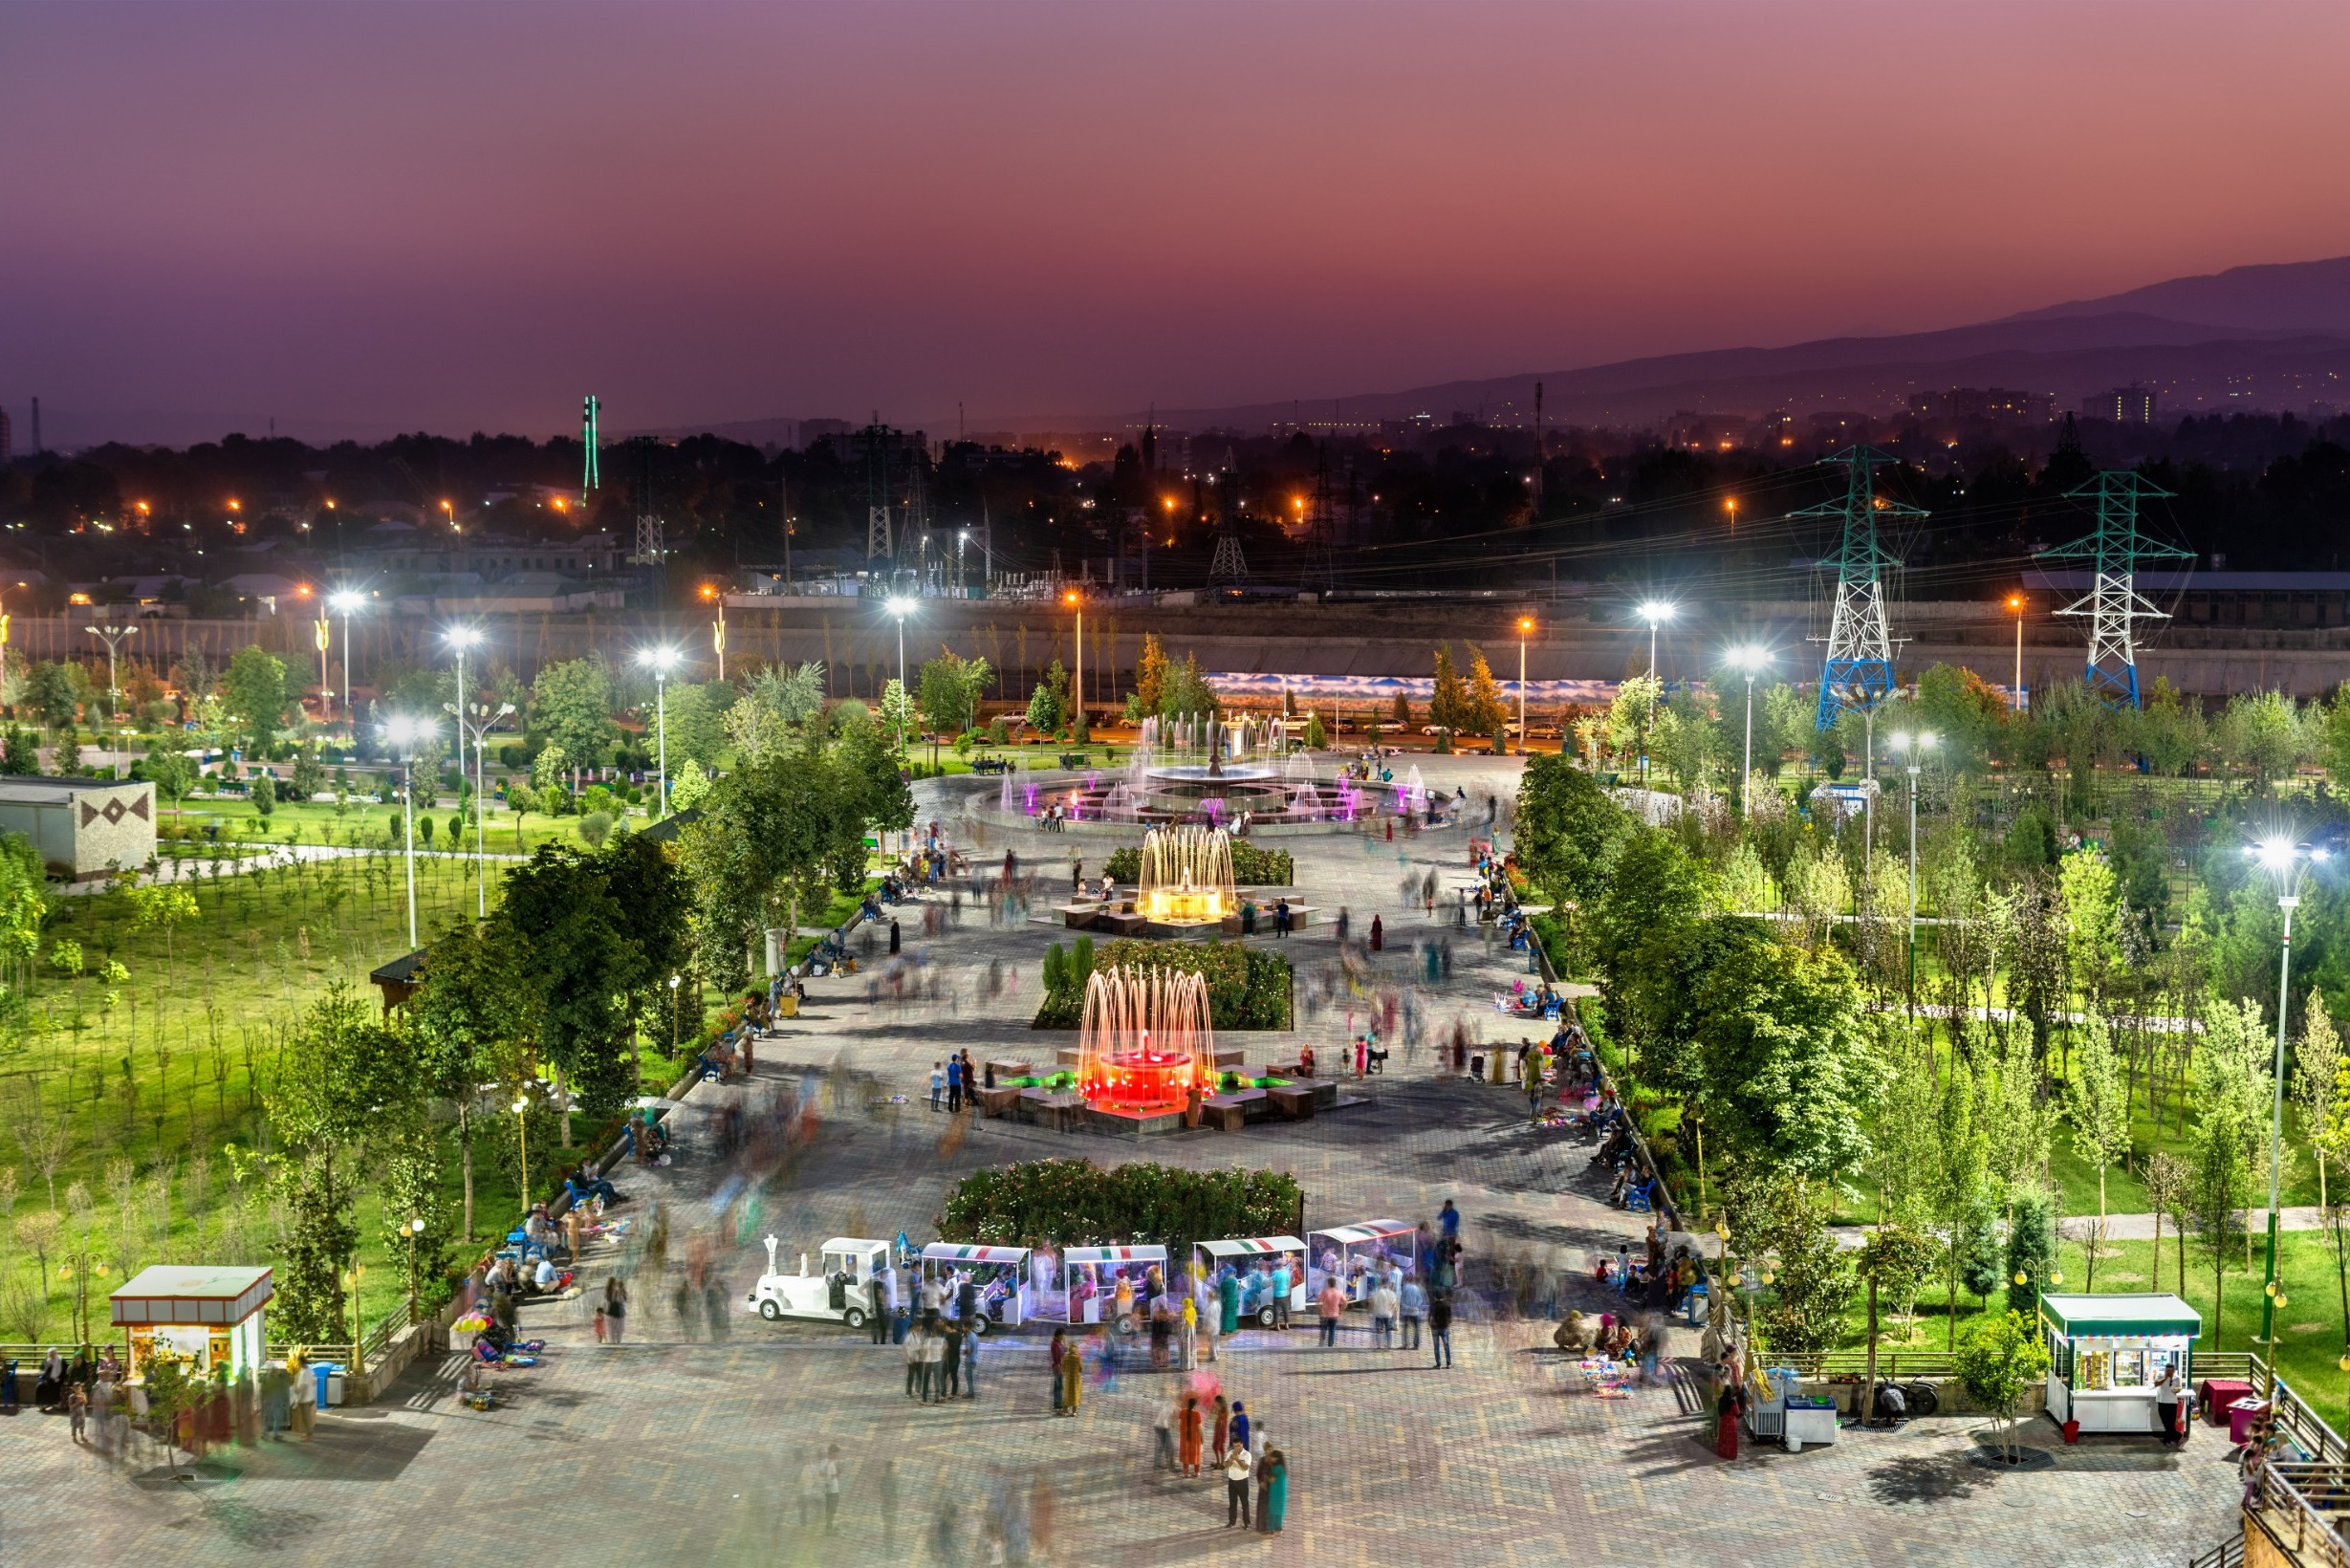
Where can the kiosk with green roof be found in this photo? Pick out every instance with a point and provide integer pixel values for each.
(2107, 1354)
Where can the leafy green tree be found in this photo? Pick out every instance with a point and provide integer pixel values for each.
(2260, 733)
(1187, 693)
(949, 690)
(1486, 709)
(56, 693)
(781, 700)
(165, 767)
(1685, 740)
(1955, 1193)
(1783, 719)
(1318, 734)
(695, 715)
(2096, 1103)
(578, 966)
(257, 696)
(1048, 706)
(1568, 830)
(1780, 1218)
(2168, 731)
(1893, 1263)
(2003, 1359)
(1448, 705)
(471, 1026)
(643, 879)
(690, 788)
(1964, 714)
(20, 755)
(346, 1080)
(1150, 672)
(571, 703)
(2031, 1251)
(1630, 714)
(1784, 1046)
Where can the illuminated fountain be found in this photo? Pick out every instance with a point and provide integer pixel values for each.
(1186, 876)
(1145, 1040)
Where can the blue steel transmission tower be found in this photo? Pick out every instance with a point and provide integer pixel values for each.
(2113, 603)
(1858, 673)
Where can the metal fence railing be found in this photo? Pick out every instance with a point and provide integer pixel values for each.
(2303, 1507)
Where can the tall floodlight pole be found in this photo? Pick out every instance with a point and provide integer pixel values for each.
(1524, 630)
(474, 722)
(1077, 727)
(2016, 694)
(342, 603)
(1656, 612)
(900, 607)
(2115, 551)
(1858, 673)
(661, 661)
(1749, 661)
(1914, 745)
(407, 735)
(2287, 863)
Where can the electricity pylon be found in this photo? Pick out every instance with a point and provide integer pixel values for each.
(877, 540)
(1858, 673)
(2113, 603)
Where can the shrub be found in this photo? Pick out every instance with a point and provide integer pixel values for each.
(1076, 1203)
(1251, 867)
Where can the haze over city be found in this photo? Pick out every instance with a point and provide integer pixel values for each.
(362, 219)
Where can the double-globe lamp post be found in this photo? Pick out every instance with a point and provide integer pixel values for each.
(2287, 863)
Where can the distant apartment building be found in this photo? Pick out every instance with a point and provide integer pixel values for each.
(1986, 402)
(2123, 405)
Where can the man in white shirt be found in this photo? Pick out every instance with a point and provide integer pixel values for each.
(1384, 1307)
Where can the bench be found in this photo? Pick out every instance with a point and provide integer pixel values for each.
(1294, 1102)
(1004, 1069)
(998, 1101)
(990, 765)
(1230, 1113)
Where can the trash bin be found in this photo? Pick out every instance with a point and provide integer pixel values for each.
(329, 1388)
(334, 1385)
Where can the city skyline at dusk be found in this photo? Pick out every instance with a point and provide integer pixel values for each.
(356, 220)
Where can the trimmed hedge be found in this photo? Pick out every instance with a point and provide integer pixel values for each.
(1251, 867)
(1076, 1203)
(1247, 987)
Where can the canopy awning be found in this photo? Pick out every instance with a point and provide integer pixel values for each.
(1114, 1254)
(1349, 1235)
(175, 1294)
(2143, 1315)
(1253, 1247)
(948, 1252)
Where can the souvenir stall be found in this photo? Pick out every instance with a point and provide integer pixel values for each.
(1000, 1274)
(2107, 1354)
(1354, 1252)
(1090, 1277)
(1253, 1260)
(208, 1318)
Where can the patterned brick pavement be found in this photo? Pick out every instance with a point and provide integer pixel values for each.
(675, 1449)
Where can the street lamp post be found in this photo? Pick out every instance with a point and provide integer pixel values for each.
(1655, 612)
(1077, 727)
(344, 603)
(2015, 697)
(1750, 661)
(2287, 863)
(112, 637)
(1524, 630)
(522, 1139)
(407, 734)
(415, 1228)
(1914, 745)
(659, 661)
(718, 634)
(900, 607)
(484, 719)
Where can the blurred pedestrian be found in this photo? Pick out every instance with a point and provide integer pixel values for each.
(829, 1472)
(1055, 1353)
(616, 1308)
(1440, 1328)
(1072, 1381)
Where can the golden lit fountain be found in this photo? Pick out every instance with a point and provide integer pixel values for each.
(1186, 876)
(1145, 1040)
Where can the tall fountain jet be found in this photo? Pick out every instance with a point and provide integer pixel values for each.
(1145, 1040)
(1187, 876)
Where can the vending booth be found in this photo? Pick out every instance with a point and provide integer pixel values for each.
(1000, 1274)
(207, 1316)
(1254, 1259)
(2107, 1354)
(1354, 1252)
(1089, 1276)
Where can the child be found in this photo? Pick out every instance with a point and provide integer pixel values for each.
(599, 1326)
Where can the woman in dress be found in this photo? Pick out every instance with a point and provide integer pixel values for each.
(1187, 1436)
(1276, 1492)
(1726, 1411)
(1073, 1379)
(1223, 1431)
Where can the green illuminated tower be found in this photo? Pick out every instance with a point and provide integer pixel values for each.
(589, 482)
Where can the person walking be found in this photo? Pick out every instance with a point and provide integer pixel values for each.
(616, 1308)
(1220, 1434)
(1332, 1305)
(970, 1365)
(1379, 931)
(877, 1309)
(1414, 1302)
(77, 1413)
(1236, 1467)
(1440, 1329)
(1055, 1353)
(811, 1487)
(828, 1474)
(896, 940)
(1227, 1304)
(1072, 1381)
(1283, 1282)
(1385, 1306)
(1162, 1430)
(916, 1385)
(1188, 1435)
(950, 1360)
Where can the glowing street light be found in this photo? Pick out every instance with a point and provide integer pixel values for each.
(2287, 864)
(1915, 745)
(1656, 612)
(1524, 630)
(661, 661)
(2016, 607)
(900, 607)
(1749, 660)
(1076, 601)
(342, 602)
(405, 735)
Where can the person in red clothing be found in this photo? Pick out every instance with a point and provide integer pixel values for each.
(1332, 1303)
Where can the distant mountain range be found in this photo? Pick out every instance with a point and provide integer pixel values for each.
(2269, 337)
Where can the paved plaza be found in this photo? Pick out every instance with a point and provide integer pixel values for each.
(680, 1448)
